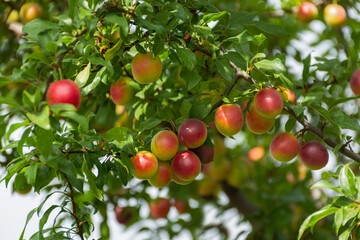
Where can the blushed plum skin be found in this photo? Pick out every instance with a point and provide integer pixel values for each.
(355, 82)
(229, 119)
(164, 145)
(163, 175)
(284, 147)
(64, 91)
(206, 154)
(181, 206)
(192, 133)
(314, 155)
(334, 15)
(123, 214)
(256, 123)
(160, 208)
(121, 92)
(145, 68)
(178, 181)
(307, 12)
(287, 95)
(145, 164)
(186, 165)
(268, 103)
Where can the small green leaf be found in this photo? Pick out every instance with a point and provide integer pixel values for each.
(311, 220)
(100, 75)
(273, 66)
(338, 219)
(72, 8)
(345, 235)
(149, 123)
(111, 53)
(30, 173)
(83, 76)
(91, 180)
(83, 121)
(271, 28)
(43, 140)
(325, 184)
(192, 78)
(121, 21)
(344, 121)
(28, 218)
(117, 133)
(186, 57)
(42, 120)
(347, 181)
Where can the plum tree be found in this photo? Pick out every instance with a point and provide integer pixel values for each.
(268, 103)
(314, 155)
(64, 91)
(145, 68)
(160, 208)
(121, 92)
(163, 175)
(335, 15)
(284, 147)
(186, 165)
(229, 119)
(192, 133)
(145, 164)
(164, 145)
(307, 12)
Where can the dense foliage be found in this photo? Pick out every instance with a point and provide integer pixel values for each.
(208, 53)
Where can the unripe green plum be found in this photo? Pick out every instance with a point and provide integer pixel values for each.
(160, 208)
(145, 164)
(334, 15)
(256, 123)
(163, 175)
(192, 133)
(268, 103)
(145, 68)
(314, 155)
(307, 12)
(229, 119)
(63, 91)
(30, 11)
(186, 165)
(164, 145)
(121, 92)
(284, 147)
(355, 82)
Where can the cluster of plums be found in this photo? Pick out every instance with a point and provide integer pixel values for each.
(159, 208)
(164, 163)
(334, 14)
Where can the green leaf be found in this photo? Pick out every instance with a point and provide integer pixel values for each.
(12, 144)
(23, 139)
(311, 220)
(33, 28)
(290, 124)
(216, 17)
(30, 173)
(98, 77)
(338, 219)
(83, 76)
(192, 78)
(42, 120)
(286, 82)
(28, 218)
(44, 140)
(186, 57)
(72, 8)
(345, 235)
(200, 109)
(273, 66)
(344, 121)
(111, 53)
(10, 102)
(149, 123)
(83, 121)
(271, 28)
(325, 184)
(347, 181)
(224, 69)
(121, 21)
(91, 180)
(185, 109)
(151, 26)
(306, 69)
(203, 32)
(117, 133)
(45, 218)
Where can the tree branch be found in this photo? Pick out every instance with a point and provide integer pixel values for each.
(74, 214)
